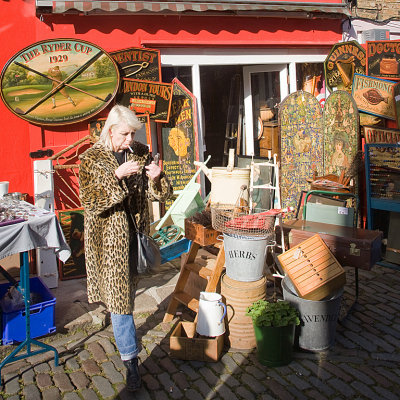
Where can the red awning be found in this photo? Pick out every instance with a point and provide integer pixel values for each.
(194, 7)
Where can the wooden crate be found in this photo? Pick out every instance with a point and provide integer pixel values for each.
(313, 269)
(184, 346)
(200, 234)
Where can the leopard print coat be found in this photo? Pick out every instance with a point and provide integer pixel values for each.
(111, 278)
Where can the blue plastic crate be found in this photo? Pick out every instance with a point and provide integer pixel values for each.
(13, 325)
(174, 250)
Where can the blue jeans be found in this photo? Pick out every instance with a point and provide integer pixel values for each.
(125, 335)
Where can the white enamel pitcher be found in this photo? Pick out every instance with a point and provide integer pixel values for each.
(212, 311)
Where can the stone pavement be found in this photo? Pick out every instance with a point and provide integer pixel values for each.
(364, 364)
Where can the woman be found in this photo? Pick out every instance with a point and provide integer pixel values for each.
(116, 179)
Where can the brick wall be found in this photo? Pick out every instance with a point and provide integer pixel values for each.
(379, 10)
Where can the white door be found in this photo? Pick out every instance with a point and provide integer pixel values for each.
(262, 85)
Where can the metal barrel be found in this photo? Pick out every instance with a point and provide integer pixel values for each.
(245, 257)
(317, 329)
(237, 297)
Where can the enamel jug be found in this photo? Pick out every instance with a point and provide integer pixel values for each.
(212, 311)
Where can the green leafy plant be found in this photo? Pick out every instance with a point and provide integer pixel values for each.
(281, 313)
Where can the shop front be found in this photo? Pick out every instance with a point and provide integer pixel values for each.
(237, 58)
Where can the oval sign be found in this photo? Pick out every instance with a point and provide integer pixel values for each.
(60, 81)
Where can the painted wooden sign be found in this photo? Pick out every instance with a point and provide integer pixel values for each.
(300, 120)
(132, 91)
(180, 146)
(344, 60)
(374, 134)
(383, 59)
(396, 98)
(58, 82)
(138, 63)
(340, 124)
(374, 96)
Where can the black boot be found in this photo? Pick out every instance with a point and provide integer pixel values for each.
(133, 380)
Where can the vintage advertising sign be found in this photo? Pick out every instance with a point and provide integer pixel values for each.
(374, 95)
(374, 134)
(383, 59)
(57, 82)
(138, 63)
(396, 97)
(180, 147)
(132, 89)
(344, 60)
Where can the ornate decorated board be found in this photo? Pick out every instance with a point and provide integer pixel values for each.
(146, 97)
(180, 147)
(396, 98)
(344, 60)
(375, 134)
(383, 59)
(300, 121)
(374, 96)
(340, 125)
(58, 82)
(138, 63)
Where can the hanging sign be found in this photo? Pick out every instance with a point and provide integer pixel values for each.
(57, 82)
(133, 89)
(374, 96)
(383, 59)
(180, 147)
(344, 60)
(138, 63)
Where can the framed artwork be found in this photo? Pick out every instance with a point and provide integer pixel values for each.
(374, 96)
(95, 127)
(59, 81)
(143, 135)
(72, 225)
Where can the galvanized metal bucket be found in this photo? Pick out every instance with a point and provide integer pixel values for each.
(317, 329)
(245, 257)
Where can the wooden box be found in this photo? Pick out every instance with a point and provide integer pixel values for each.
(184, 346)
(200, 234)
(313, 269)
(269, 139)
(355, 247)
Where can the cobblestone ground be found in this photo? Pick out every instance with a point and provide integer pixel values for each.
(364, 364)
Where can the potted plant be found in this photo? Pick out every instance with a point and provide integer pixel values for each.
(274, 325)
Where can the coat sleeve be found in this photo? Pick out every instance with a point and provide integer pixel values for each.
(161, 192)
(99, 187)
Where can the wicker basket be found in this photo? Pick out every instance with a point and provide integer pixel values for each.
(237, 221)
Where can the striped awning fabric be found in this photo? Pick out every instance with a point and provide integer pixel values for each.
(228, 7)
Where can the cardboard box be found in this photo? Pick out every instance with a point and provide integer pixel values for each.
(200, 234)
(184, 346)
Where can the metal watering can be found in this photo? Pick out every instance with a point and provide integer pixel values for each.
(212, 311)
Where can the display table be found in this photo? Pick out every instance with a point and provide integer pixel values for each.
(41, 230)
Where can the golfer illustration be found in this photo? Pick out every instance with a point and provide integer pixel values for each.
(55, 73)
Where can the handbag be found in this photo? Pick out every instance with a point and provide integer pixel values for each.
(148, 252)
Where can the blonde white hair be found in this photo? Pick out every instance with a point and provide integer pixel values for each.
(117, 115)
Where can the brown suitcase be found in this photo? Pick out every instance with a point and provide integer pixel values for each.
(353, 247)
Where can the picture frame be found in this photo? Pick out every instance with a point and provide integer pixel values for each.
(72, 225)
(95, 126)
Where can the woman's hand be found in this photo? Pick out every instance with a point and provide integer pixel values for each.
(127, 169)
(153, 171)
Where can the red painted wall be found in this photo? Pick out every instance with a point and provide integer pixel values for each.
(20, 27)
